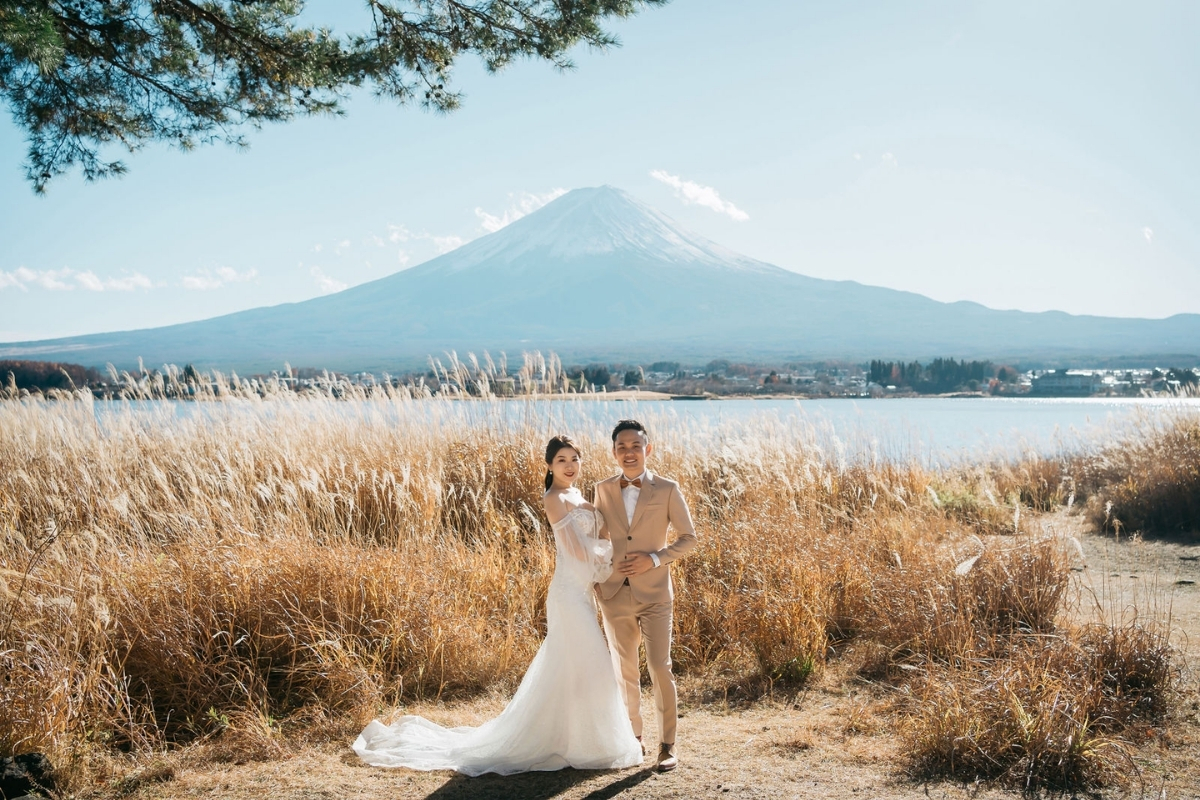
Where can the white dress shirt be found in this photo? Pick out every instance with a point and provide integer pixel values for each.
(630, 495)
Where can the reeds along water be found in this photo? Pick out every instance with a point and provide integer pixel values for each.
(257, 563)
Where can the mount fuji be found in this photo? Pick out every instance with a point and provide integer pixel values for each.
(599, 276)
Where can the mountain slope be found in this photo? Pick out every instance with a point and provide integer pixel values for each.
(597, 274)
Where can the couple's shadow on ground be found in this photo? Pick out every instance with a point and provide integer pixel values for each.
(538, 785)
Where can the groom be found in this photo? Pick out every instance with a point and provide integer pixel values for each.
(636, 601)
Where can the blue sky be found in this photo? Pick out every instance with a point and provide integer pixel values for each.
(1022, 155)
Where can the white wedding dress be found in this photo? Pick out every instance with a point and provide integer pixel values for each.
(567, 712)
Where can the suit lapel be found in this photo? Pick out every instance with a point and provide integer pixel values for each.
(643, 499)
(616, 503)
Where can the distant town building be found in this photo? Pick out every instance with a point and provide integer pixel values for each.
(1066, 383)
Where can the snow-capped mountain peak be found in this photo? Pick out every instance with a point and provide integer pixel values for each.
(598, 276)
(590, 222)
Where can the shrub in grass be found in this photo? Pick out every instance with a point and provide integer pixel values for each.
(1149, 481)
(1051, 715)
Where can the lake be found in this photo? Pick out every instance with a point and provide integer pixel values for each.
(933, 430)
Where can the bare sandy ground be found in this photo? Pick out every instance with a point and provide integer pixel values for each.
(773, 749)
(834, 740)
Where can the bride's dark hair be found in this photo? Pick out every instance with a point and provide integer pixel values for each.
(556, 444)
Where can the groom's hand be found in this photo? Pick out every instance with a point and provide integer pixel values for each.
(634, 564)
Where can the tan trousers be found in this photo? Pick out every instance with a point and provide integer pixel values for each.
(626, 624)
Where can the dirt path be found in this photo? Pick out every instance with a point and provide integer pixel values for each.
(770, 750)
(831, 741)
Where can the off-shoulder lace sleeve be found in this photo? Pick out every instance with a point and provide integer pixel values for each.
(578, 538)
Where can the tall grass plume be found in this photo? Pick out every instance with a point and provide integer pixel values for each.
(222, 572)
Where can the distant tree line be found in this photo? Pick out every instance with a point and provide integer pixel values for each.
(940, 375)
(1186, 377)
(593, 375)
(43, 375)
(719, 376)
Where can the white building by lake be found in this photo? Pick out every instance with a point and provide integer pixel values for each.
(1067, 383)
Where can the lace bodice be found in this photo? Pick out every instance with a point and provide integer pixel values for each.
(581, 552)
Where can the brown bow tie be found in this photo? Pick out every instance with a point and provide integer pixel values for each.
(635, 482)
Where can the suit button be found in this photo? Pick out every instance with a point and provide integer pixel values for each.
(630, 538)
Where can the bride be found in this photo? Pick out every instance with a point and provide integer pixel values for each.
(568, 711)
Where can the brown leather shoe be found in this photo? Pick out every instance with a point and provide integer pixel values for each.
(667, 760)
(642, 745)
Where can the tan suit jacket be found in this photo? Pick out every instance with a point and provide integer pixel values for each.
(659, 505)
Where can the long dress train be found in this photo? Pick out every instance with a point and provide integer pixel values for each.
(567, 712)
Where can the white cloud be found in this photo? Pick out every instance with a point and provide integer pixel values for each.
(889, 160)
(858, 156)
(60, 280)
(90, 281)
(205, 279)
(1147, 232)
(417, 244)
(201, 282)
(231, 275)
(397, 234)
(128, 283)
(445, 244)
(695, 194)
(326, 284)
(52, 279)
(519, 205)
(337, 247)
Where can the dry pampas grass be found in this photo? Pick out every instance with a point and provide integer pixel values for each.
(238, 571)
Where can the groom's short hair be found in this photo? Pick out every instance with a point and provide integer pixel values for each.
(629, 425)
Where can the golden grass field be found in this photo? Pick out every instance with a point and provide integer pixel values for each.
(268, 570)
